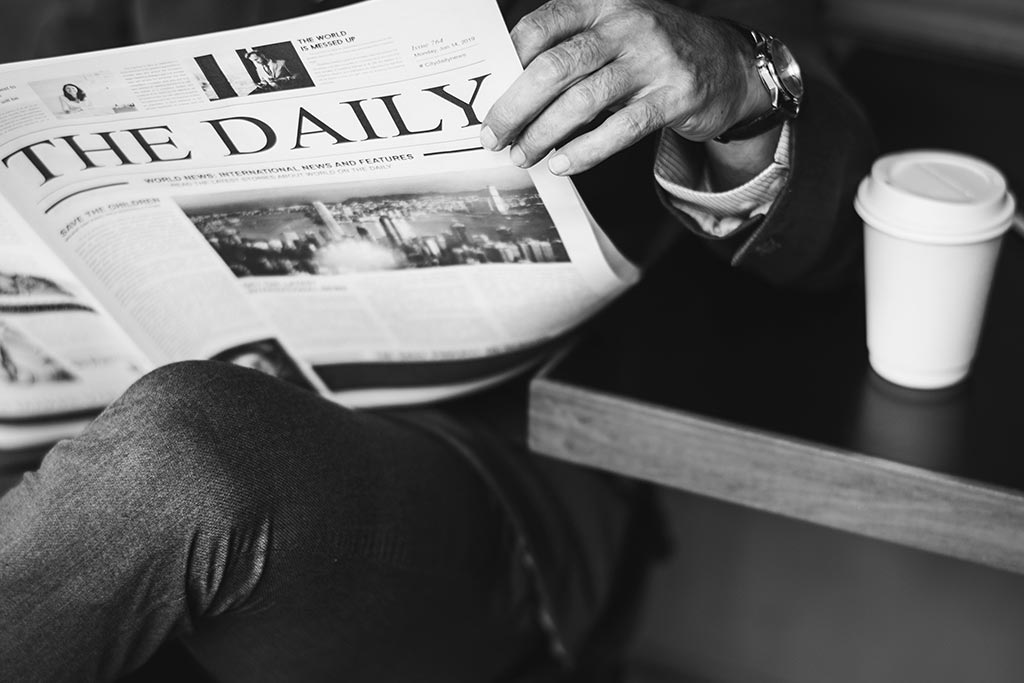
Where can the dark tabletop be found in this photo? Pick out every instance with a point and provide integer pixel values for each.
(700, 337)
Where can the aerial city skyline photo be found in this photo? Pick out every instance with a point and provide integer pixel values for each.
(469, 219)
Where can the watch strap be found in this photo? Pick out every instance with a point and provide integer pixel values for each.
(751, 128)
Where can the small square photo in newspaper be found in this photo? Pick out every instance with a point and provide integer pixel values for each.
(243, 71)
(97, 93)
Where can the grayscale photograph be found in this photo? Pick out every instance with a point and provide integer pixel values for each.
(469, 218)
(26, 285)
(23, 362)
(251, 71)
(720, 379)
(98, 93)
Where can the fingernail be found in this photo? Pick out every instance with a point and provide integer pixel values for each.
(558, 164)
(517, 156)
(488, 139)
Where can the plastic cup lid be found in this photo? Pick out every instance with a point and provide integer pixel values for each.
(935, 196)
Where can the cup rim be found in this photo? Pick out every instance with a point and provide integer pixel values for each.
(1000, 225)
(888, 204)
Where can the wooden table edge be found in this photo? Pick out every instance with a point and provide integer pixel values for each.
(813, 482)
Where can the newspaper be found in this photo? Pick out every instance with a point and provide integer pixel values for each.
(307, 197)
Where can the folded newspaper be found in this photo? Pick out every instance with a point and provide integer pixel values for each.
(307, 197)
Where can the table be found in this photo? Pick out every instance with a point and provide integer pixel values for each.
(706, 381)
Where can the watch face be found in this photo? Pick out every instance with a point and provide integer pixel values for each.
(787, 70)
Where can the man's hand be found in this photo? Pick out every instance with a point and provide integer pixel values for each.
(653, 64)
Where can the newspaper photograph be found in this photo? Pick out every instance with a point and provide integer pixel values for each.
(23, 362)
(488, 216)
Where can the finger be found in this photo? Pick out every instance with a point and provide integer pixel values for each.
(577, 106)
(544, 80)
(550, 24)
(625, 127)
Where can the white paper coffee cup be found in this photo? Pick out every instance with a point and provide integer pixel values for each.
(933, 223)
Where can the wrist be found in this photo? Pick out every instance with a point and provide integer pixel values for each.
(731, 164)
(753, 98)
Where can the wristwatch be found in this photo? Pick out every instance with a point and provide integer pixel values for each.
(781, 77)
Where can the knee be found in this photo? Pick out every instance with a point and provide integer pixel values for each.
(156, 469)
(179, 385)
(166, 436)
(165, 412)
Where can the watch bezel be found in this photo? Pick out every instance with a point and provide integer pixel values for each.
(775, 50)
(785, 104)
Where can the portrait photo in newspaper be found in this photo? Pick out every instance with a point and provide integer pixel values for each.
(475, 217)
(98, 93)
(252, 70)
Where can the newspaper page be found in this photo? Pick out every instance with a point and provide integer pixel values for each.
(61, 357)
(312, 189)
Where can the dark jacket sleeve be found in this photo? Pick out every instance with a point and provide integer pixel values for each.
(811, 237)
